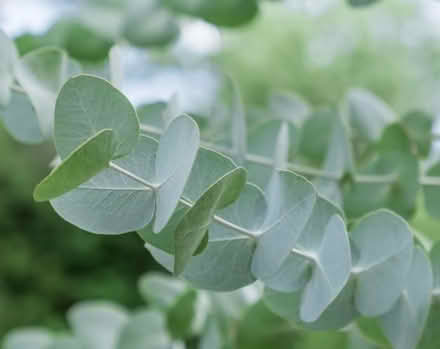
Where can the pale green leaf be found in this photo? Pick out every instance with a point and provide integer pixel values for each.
(81, 165)
(290, 107)
(42, 73)
(194, 226)
(111, 202)
(262, 141)
(145, 329)
(160, 290)
(176, 154)
(368, 115)
(20, 119)
(28, 338)
(290, 203)
(332, 267)
(88, 104)
(97, 324)
(381, 244)
(8, 60)
(337, 315)
(295, 271)
(404, 323)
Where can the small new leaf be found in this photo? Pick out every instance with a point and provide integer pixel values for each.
(84, 163)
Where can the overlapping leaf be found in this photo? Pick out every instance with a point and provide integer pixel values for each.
(381, 245)
(227, 248)
(111, 202)
(88, 104)
(404, 323)
(42, 73)
(367, 114)
(194, 226)
(176, 154)
(290, 203)
(20, 119)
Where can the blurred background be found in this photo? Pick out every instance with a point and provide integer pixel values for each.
(315, 48)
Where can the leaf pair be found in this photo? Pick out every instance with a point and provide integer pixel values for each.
(96, 125)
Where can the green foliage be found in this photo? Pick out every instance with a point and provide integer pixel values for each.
(300, 236)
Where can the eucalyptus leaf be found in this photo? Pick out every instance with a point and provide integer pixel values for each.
(20, 119)
(230, 13)
(291, 199)
(195, 224)
(262, 141)
(81, 165)
(8, 60)
(97, 324)
(404, 323)
(337, 315)
(294, 273)
(330, 273)
(431, 193)
(227, 249)
(419, 125)
(176, 154)
(239, 129)
(149, 24)
(28, 338)
(41, 73)
(381, 244)
(145, 329)
(290, 107)
(88, 104)
(160, 290)
(111, 202)
(368, 114)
